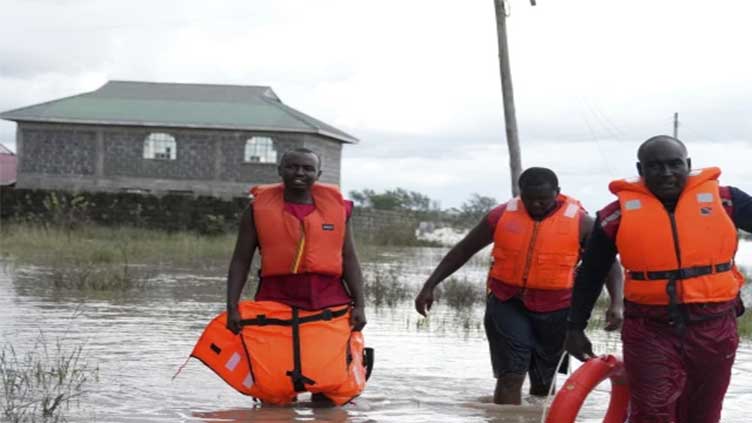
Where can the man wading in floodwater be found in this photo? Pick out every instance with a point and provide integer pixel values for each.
(537, 239)
(675, 232)
(308, 257)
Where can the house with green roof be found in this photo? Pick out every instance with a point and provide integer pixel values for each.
(157, 138)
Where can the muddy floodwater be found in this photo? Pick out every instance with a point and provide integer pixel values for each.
(425, 371)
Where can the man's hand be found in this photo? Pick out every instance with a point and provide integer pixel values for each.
(358, 318)
(578, 345)
(424, 300)
(614, 317)
(233, 320)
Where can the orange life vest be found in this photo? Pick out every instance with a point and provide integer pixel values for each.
(281, 351)
(537, 254)
(693, 246)
(289, 246)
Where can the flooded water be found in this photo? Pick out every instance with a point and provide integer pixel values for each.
(435, 371)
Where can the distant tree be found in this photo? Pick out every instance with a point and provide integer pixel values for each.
(475, 208)
(389, 200)
(393, 199)
(360, 198)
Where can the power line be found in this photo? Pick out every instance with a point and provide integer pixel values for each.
(597, 142)
(597, 117)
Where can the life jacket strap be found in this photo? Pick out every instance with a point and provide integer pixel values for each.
(679, 274)
(368, 357)
(299, 381)
(676, 313)
(296, 374)
(326, 314)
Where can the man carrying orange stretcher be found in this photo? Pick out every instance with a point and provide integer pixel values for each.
(302, 332)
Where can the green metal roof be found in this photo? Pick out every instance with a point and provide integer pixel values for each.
(179, 105)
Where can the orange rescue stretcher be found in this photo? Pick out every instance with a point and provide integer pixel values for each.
(282, 351)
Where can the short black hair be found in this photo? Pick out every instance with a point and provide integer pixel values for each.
(659, 138)
(300, 150)
(535, 176)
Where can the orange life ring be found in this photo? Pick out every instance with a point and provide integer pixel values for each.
(569, 399)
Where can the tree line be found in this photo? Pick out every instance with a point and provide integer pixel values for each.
(468, 214)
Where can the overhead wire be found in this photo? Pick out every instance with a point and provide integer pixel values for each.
(594, 136)
(607, 123)
(695, 132)
(596, 139)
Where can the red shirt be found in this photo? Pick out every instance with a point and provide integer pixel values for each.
(536, 300)
(309, 291)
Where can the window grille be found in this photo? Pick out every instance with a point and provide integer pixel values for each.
(260, 150)
(160, 146)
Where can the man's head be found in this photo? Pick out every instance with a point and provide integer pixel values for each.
(664, 166)
(299, 169)
(539, 188)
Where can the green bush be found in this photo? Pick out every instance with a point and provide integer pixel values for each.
(461, 293)
(383, 286)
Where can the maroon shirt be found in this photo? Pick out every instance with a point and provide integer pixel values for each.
(536, 300)
(309, 291)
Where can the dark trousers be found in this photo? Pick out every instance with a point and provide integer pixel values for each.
(678, 376)
(524, 342)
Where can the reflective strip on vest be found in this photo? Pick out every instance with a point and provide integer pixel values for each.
(633, 204)
(571, 210)
(232, 363)
(704, 197)
(248, 381)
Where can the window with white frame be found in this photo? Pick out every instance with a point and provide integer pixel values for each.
(160, 146)
(260, 150)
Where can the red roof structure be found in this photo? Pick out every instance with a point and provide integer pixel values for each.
(8, 161)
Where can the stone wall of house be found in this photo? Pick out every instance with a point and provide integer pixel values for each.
(64, 151)
(330, 154)
(110, 158)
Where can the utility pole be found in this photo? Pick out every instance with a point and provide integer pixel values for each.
(676, 125)
(510, 119)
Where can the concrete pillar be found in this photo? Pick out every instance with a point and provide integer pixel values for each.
(99, 161)
(217, 156)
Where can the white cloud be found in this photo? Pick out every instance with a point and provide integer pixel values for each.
(584, 169)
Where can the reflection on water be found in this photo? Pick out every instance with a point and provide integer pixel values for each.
(435, 370)
(303, 411)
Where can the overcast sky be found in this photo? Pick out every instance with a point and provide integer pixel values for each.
(417, 81)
